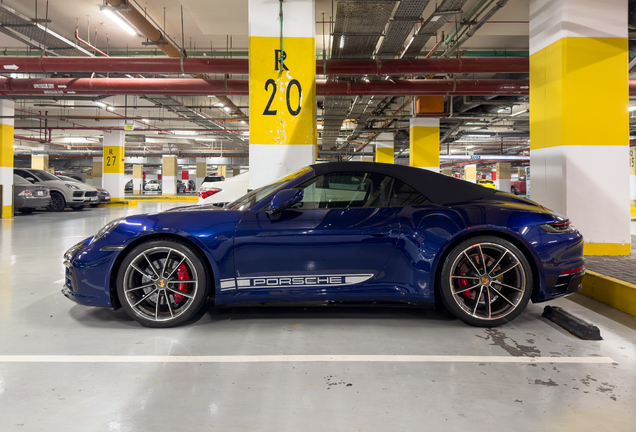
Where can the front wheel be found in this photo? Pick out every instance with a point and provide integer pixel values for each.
(486, 281)
(26, 210)
(78, 208)
(58, 203)
(513, 190)
(162, 283)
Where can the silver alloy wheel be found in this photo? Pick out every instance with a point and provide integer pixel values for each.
(151, 284)
(487, 281)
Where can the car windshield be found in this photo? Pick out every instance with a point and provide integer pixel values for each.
(64, 178)
(44, 176)
(252, 198)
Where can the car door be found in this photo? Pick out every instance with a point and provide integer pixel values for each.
(341, 235)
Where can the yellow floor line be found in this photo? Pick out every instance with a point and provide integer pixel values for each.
(611, 291)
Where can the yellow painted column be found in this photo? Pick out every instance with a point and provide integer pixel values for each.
(385, 148)
(169, 175)
(113, 163)
(98, 171)
(222, 171)
(424, 143)
(138, 179)
(447, 171)
(632, 176)
(89, 177)
(503, 177)
(40, 162)
(202, 171)
(283, 131)
(579, 121)
(470, 173)
(6, 157)
(235, 172)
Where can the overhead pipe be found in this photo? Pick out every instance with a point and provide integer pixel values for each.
(165, 86)
(189, 65)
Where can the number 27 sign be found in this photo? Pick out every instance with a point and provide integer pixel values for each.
(282, 94)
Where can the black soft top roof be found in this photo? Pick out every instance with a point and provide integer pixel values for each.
(439, 188)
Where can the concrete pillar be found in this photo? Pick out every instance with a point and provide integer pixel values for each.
(89, 177)
(222, 171)
(447, 171)
(632, 177)
(97, 171)
(470, 173)
(40, 162)
(384, 148)
(503, 177)
(235, 172)
(169, 175)
(202, 171)
(424, 143)
(580, 125)
(113, 163)
(6, 157)
(282, 102)
(138, 179)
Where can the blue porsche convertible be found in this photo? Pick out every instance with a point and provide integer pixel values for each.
(335, 233)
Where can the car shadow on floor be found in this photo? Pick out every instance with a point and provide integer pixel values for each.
(210, 314)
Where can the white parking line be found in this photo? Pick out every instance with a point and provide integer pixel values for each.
(59, 281)
(296, 358)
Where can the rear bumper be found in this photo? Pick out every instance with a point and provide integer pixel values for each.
(35, 202)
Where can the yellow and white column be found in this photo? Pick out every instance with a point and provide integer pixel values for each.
(503, 177)
(98, 172)
(222, 171)
(202, 171)
(632, 177)
(447, 171)
(169, 175)
(385, 148)
(578, 117)
(138, 179)
(424, 143)
(283, 132)
(113, 163)
(470, 173)
(6, 157)
(40, 162)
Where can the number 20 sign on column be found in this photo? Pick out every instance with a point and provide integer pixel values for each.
(282, 91)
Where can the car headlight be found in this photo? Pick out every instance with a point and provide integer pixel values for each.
(558, 227)
(70, 186)
(107, 229)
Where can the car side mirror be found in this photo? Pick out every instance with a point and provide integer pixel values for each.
(30, 179)
(283, 200)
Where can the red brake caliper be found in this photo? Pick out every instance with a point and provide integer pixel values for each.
(462, 284)
(182, 274)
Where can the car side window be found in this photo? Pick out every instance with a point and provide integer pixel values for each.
(347, 190)
(25, 174)
(404, 195)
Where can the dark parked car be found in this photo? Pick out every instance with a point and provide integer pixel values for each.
(349, 232)
(27, 197)
(181, 187)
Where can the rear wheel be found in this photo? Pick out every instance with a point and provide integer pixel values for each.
(513, 190)
(486, 281)
(162, 283)
(58, 203)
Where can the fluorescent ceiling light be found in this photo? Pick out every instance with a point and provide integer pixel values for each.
(100, 104)
(115, 17)
(181, 132)
(320, 127)
(110, 108)
(480, 136)
(469, 147)
(227, 109)
(525, 111)
(502, 109)
(205, 139)
(341, 42)
(631, 108)
(243, 121)
(145, 120)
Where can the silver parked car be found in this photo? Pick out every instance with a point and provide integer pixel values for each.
(102, 194)
(64, 194)
(27, 197)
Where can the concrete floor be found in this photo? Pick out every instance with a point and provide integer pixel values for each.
(116, 391)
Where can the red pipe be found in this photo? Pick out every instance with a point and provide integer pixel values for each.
(87, 44)
(241, 66)
(131, 86)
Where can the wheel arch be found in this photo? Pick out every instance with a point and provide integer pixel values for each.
(156, 236)
(533, 259)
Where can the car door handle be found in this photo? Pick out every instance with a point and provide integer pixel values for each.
(378, 233)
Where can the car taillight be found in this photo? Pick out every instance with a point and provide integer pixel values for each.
(25, 192)
(572, 271)
(208, 193)
(559, 227)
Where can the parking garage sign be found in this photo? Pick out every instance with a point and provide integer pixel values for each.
(113, 159)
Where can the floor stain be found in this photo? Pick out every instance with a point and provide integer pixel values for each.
(499, 339)
(548, 383)
(587, 380)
